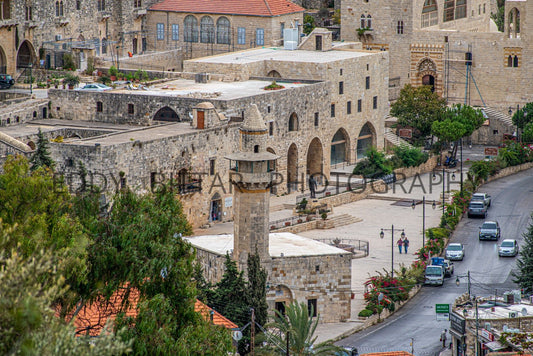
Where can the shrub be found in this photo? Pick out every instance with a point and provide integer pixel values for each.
(104, 79)
(410, 156)
(90, 66)
(365, 313)
(71, 79)
(324, 216)
(113, 71)
(375, 165)
(68, 62)
(140, 75)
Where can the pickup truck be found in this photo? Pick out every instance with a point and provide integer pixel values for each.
(434, 275)
(446, 264)
(484, 197)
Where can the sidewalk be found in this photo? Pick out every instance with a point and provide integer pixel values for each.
(392, 208)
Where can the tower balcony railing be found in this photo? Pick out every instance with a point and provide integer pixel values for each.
(251, 178)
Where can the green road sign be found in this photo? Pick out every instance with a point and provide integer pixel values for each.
(442, 308)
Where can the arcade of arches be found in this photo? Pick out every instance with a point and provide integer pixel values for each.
(166, 114)
(340, 147)
(315, 164)
(25, 55)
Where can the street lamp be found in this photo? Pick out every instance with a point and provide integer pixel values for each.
(443, 187)
(457, 281)
(433, 205)
(382, 235)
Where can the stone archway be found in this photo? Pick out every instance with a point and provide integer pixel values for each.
(292, 168)
(340, 147)
(274, 74)
(365, 140)
(315, 157)
(3, 61)
(25, 55)
(215, 209)
(166, 114)
(281, 298)
(427, 70)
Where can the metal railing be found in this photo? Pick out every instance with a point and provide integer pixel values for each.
(290, 221)
(348, 244)
(333, 190)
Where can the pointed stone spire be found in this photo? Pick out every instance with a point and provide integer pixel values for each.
(253, 121)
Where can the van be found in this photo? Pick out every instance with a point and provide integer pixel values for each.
(434, 275)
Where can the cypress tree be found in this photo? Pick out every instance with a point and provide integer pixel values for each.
(257, 277)
(524, 276)
(41, 157)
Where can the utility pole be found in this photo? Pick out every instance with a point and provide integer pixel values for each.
(477, 330)
(252, 333)
(288, 343)
(413, 345)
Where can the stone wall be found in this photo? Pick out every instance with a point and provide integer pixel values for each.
(492, 134)
(406, 172)
(510, 170)
(19, 113)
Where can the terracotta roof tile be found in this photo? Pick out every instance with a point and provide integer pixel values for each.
(92, 318)
(230, 7)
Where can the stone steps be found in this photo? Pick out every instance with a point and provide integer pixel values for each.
(498, 115)
(344, 219)
(281, 207)
(395, 139)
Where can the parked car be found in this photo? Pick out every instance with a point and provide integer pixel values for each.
(484, 197)
(455, 252)
(441, 261)
(95, 87)
(490, 230)
(509, 247)
(347, 351)
(6, 81)
(477, 208)
(434, 275)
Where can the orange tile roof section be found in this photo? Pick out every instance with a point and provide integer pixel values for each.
(230, 7)
(92, 318)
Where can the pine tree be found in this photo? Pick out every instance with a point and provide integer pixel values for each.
(41, 157)
(524, 276)
(257, 277)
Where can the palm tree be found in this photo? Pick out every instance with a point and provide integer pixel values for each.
(300, 327)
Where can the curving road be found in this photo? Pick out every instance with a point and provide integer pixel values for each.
(512, 204)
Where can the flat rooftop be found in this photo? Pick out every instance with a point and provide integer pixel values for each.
(213, 90)
(282, 244)
(280, 54)
(499, 312)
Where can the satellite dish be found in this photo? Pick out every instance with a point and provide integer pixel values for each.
(524, 311)
(236, 335)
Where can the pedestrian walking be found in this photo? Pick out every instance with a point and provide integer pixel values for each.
(400, 242)
(405, 244)
(443, 337)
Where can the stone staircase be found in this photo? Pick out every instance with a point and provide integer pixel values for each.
(395, 139)
(498, 115)
(281, 207)
(343, 220)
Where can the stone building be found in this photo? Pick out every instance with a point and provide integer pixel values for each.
(330, 110)
(432, 41)
(35, 30)
(202, 27)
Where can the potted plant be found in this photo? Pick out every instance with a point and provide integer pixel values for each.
(71, 80)
(300, 221)
(324, 216)
(113, 72)
(287, 223)
(273, 86)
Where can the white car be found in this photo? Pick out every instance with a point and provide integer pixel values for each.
(508, 247)
(455, 252)
(94, 87)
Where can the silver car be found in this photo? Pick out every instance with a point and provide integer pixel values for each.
(490, 230)
(508, 247)
(94, 87)
(455, 252)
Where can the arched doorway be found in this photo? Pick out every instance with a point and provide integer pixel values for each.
(25, 55)
(427, 70)
(134, 45)
(3, 61)
(315, 159)
(292, 168)
(282, 297)
(215, 210)
(166, 114)
(293, 122)
(274, 74)
(365, 140)
(428, 79)
(340, 144)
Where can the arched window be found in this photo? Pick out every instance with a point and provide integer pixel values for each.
(207, 30)
(363, 22)
(369, 21)
(59, 8)
(515, 61)
(223, 30)
(293, 122)
(191, 29)
(399, 28)
(429, 13)
(510, 61)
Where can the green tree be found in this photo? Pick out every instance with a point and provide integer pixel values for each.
(499, 16)
(375, 165)
(41, 157)
(418, 108)
(257, 277)
(523, 116)
(299, 324)
(524, 275)
(309, 24)
(527, 133)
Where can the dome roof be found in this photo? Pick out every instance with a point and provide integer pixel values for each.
(253, 121)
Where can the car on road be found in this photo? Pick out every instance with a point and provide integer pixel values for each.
(94, 87)
(477, 208)
(434, 275)
(490, 230)
(441, 261)
(6, 81)
(484, 197)
(509, 247)
(455, 252)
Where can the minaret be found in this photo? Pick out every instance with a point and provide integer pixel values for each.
(251, 170)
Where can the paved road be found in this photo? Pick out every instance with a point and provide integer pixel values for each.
(512, 203)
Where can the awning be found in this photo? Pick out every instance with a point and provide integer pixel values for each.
(495, 345)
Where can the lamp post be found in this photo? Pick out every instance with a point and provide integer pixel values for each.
(433, 205)
(382, 235)
(457, 282)
(443, 187)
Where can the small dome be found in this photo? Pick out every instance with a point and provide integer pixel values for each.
(205, 105)
(253, 121)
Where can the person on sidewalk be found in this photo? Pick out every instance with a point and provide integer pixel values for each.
(405, 244)
(400, 242)
(443, 337)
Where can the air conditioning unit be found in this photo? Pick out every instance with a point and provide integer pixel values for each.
(513, 314)
(59, 37)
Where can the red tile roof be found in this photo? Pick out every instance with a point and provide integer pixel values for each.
(92, 318)
(230, 7)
